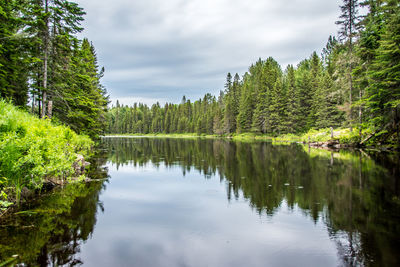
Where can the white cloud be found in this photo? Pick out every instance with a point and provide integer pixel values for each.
(149, 47)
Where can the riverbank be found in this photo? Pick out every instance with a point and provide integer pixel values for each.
(323, 138)
(36, 153)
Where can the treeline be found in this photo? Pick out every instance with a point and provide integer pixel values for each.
(43, 63)
(355, 82)
(265, 100)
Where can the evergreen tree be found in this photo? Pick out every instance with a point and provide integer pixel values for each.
(270, 72)
(84, 104)
(323, 108)
(348, 22)
(293, 101)
(236, 92)
(260, 121)
(246, 106)
(51, 27)
(303, 85)
(277, 108)
(328, 52)
(13, 61)
(383, 92)
(372, 26)
(230, 109)
(315, 89)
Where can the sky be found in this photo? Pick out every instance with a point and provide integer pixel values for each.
(158, 50)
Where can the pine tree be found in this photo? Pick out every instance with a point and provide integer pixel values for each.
(217, 122)
(260, 120)
(266, 74)
(229, 110)
(51, 27)
(321, 104)
(370, 35)
(293, 101)
(246, 106)
(84, 104)
(13, 62)
(236, 92)
(383, 92)
(277, 108)
(303, 85)
(328, 53)
(315, 90)
(348, 22)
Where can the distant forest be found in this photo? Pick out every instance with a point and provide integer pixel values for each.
(355, 82)
(43, 63)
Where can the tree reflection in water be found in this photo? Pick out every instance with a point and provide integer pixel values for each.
(50, 230)
(356, 194)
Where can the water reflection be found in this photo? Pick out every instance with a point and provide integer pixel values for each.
(50, 231)
(355, 193)
(308, 208)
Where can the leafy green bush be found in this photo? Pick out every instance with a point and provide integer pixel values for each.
(313, 135)
(32, 149)
(352, 137)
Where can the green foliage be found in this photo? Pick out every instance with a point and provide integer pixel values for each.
(81, 103)
(378, 73)
(32, 149)
(343, 135)
(13, 62)
(3, 195)
(246, 105)
(383, 91)
(41, 59)
(61, 220)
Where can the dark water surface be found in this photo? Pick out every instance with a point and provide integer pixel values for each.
(196, 202)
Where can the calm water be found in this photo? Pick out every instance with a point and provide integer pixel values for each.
(174, 202)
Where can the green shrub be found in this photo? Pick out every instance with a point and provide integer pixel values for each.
(32, 149)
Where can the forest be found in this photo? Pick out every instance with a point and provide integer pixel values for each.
(354, 83)
(52, 104)
(43, 64)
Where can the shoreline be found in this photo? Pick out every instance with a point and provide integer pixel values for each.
(315, 141)
(48, 185)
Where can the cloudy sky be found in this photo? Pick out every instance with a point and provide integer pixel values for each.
(160, 50)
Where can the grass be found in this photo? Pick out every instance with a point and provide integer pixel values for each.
(32, 150)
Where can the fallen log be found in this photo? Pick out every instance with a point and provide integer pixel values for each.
(373, 134)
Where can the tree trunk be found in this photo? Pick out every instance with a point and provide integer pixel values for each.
(33, 103)
(39, 105)
(50, 109)
(45, 59)
(351, 23)
(350, 98)
(360, 113)
(397, 127)
(351, 84)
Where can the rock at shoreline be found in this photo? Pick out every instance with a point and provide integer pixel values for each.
(335, 144)
(79, 165)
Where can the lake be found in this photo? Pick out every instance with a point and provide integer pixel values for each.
(214, 202)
